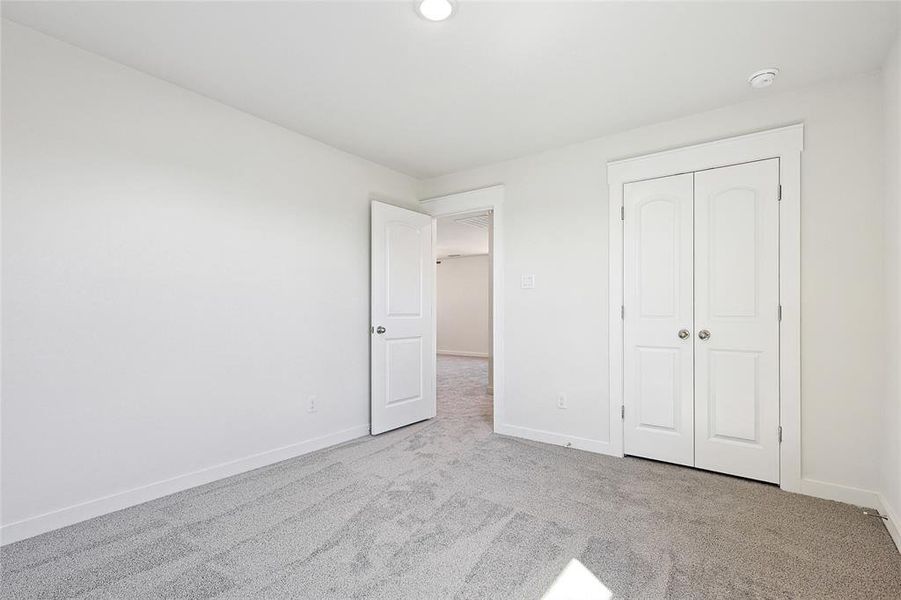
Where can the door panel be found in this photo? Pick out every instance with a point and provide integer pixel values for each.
(658, 399)
(737, 302)
(658, 303)
(405, 272)
(403, 370)
(735, 407)
(402, 387)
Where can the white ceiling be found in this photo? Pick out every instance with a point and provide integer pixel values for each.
(496, 81)
(459, 238)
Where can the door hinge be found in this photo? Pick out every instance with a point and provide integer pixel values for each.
(622, 411)
(779, 193)
(622, 213)
(780, 434)
(780, 313)
(622, 313)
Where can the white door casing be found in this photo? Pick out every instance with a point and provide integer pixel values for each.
(737, 302)
(402, 304)
(489, 198)
(657, 288)
(787, 144)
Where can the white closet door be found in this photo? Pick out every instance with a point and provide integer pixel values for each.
(659, 420)
(737, 320)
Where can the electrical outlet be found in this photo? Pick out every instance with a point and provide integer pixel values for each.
(311, 404)
(561, 401)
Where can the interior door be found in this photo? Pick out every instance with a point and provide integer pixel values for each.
(737, 320)
(401, 333)
(658, 353)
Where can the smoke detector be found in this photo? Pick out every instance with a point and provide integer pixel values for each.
(763, 78)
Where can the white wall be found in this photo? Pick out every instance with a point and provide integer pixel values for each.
(556, 227)
(891, 454)
(463, 309)
(178, 278)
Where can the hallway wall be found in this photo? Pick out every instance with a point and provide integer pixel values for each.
(463, 306)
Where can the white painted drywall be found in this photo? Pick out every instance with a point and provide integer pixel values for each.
(891, 454)
(178, 278)
(463, 305)
(556, 228)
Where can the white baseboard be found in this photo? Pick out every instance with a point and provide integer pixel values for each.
(463, 353)
(558, 439)
(893, 524)
(840, 493)
(19, 530)
(26, 528)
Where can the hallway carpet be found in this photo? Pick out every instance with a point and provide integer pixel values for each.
(446, 509)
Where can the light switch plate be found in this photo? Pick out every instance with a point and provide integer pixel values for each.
(527, 282)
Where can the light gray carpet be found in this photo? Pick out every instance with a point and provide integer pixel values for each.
(446, 509)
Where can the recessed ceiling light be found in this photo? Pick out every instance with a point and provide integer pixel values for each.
(763, 78)
(435, 10)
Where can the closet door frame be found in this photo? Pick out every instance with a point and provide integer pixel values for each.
(784, 143)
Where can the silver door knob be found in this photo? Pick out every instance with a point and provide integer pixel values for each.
(684, 334)
(704, 334)
(380, 330)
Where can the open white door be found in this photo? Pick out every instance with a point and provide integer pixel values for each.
(401, 333)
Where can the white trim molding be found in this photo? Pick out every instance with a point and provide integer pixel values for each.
(840, 493)
(489, 198)
(26, 528)
(557, 439)
(786, 144)
(462, 353)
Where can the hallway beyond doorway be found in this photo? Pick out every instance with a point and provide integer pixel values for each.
(463, 388)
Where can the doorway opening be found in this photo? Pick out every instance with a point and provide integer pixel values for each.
(404, 322)
(463, 305)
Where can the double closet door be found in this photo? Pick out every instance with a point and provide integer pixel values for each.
(701, 319)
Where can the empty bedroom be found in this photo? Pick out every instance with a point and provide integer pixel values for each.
(426, 299)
